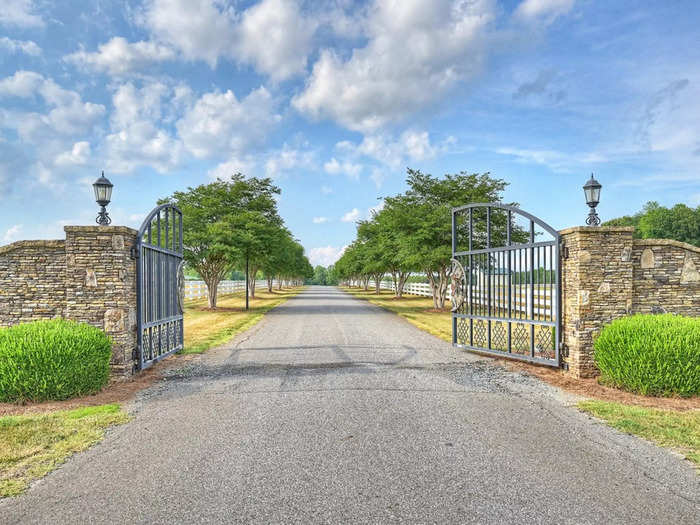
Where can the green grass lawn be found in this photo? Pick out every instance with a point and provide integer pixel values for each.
(33, 445)
(205, 328)
(668, 428)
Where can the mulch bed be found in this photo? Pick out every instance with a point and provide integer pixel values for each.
(591, 388)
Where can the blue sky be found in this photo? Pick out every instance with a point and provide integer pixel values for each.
(334, 99)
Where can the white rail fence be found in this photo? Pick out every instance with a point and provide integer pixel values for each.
(520, 296)
(198, 289)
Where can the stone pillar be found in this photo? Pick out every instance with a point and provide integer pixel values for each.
(597, 287)
(101, 286)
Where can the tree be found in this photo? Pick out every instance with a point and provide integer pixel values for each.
(225, 221)
(654, 221)
(424, 217)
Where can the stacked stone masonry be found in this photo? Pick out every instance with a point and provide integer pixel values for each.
(607, 274)
(90, 277)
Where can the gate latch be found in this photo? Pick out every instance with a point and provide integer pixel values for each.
(134, 251)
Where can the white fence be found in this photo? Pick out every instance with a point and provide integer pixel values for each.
(198, 289)
(520, 296)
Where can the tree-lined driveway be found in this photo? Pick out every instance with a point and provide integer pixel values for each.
(332, 410)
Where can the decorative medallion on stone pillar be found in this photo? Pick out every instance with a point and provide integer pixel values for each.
(458, 285)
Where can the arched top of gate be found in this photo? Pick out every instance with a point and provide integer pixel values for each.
(162, 227)
(513, 210)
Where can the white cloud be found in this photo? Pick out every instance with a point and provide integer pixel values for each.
(220, 124)
(326, 190)
(200, 29)
(244, 165)
(348, 168)
(22, 46)
(325, 255)
(545, 11)
(416, 52)
(287, 159)
(378, 177)
(136, 140)
(19, 13)
(119, 57)
(320, 220)
(275, 37)
(351, 216)
(78, 155)
(12, 234)
(555, 160)
(411, 144)
(375, 209)
(68, 116)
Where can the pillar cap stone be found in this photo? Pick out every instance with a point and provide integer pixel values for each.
(597, 229)
(100, 229)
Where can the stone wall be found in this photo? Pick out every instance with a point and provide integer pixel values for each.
(90, 277)
(607, 273)
(32, 281)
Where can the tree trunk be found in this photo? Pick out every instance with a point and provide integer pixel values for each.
(269, 284)
(251, 281)
(377, 282)
(279, 282)
(213, 289)
(365, 283)
(403, 277)
(433, 287)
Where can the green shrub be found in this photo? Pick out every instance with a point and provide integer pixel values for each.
(657, 355)
(54, 359)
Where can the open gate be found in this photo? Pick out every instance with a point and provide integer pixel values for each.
(506, 283)
(159, 285)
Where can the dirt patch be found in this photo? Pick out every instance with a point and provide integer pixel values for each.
(591, 388)
(435, 311)
(119, 391)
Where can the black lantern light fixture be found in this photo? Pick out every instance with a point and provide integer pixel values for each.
(103, 194)
(592, 191)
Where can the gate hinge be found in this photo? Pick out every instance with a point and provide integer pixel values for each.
(564, 350)
(564, 251)
(134, 251)
(135, 353)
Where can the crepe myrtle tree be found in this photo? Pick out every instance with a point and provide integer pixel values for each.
(423, 215)
(224, 221)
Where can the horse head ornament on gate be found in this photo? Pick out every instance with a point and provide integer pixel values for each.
(458, 285)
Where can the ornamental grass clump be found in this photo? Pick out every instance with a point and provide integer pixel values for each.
(653, 355)
(53, 359)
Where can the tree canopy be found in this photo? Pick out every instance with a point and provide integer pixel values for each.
(228, 221)
(413, 232)
(654, 221)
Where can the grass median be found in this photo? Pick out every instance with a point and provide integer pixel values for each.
(206, 328)
(33, 445)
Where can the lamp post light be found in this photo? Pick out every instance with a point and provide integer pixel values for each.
(103, 194)
(592, 191)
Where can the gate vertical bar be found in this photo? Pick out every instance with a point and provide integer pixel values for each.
(509, 278)
(454, 249)
(532, 288)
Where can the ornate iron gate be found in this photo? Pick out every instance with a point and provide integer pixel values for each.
(159, 285)
(506, 283)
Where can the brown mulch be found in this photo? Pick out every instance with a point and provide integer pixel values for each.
(117, 391)
(590, 387)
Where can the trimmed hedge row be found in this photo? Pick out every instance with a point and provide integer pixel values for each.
(656, 355)
(54, 359)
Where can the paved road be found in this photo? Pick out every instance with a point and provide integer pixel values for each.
(332, 411)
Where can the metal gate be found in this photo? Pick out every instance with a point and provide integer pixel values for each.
(506, 283)
(159, 285)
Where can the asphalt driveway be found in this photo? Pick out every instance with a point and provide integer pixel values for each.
(332, 410)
